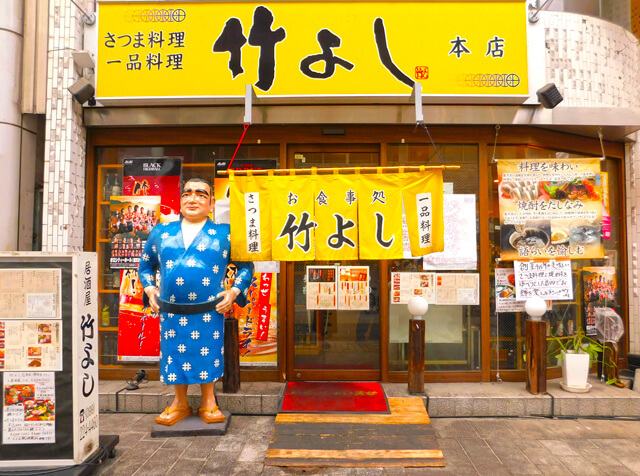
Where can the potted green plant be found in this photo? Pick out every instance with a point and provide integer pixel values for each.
(575, 354)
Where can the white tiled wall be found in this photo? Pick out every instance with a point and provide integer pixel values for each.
(593, 63)
(65, 140)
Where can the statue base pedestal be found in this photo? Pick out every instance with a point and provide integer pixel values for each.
(192, 426)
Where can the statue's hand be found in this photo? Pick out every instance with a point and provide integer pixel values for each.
(230, 296)
(152, 292)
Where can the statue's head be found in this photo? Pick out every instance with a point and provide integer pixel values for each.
(196, 199)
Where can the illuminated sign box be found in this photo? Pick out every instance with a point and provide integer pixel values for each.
(191, 52)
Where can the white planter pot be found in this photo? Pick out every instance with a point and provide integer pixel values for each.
(575, 369)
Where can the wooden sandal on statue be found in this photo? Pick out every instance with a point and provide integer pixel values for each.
(171, 417)
(211, 415)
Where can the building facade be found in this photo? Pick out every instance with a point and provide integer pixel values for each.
(593, 61)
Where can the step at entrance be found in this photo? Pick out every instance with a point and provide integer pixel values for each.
(403, 437)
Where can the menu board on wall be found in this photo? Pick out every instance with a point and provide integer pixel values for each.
(457, 289)
(27, 345)
(549, 280)
(404, 286)
(550, 208)
(30, 294)
(353, 292)
(505, 284)
(28, 408)
(49, 382)
(322, 287)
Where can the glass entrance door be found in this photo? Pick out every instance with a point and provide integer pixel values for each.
(334, 344)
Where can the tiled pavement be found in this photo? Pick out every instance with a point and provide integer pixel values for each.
(492, 446)
(527, 443)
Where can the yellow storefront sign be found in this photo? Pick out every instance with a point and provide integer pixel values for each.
(380, 216)
(196, 50)
(292, 220)
(423, 204)
(252, 201)
(335, 217)
(336, 212)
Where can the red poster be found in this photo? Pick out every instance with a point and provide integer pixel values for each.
(138, 328)
(155, 176)
(131, 219)
(264, 306)
(258, 320)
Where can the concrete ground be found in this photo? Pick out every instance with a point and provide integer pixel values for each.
(492, 446)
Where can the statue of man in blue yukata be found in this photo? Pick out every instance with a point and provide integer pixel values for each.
(192, 255)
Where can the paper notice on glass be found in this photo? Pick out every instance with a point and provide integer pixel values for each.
(322, 287)
(406, 244)
(28, 345)
(30, 294)
(353, 292)
(549, 280)
(457, 289)
(28, 409)
(266, 267)
(506, 291)
(404, 286)
(460, 248)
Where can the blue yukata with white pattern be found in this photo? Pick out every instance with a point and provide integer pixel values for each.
(191, 345)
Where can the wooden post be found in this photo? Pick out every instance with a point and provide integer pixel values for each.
(536, 342)
(416, 355)
(231, 376)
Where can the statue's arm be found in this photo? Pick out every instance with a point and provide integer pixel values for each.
(147, 267)
(242, 281)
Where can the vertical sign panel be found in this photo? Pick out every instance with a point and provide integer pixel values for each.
(379, 217)
(85, 348)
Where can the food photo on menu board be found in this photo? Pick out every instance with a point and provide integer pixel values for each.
(354, 288)
(29, 408)
(27, 345)
(322, 287)
(505, 287)
(405, 285)
(550, 208)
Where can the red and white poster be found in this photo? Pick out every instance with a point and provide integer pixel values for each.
(258, 322)
(131, 219)
(322, 287)
(264, 306)
(138, 327)
(155, 176)
(353, 290)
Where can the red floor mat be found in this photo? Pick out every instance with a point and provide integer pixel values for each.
(322, 397)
